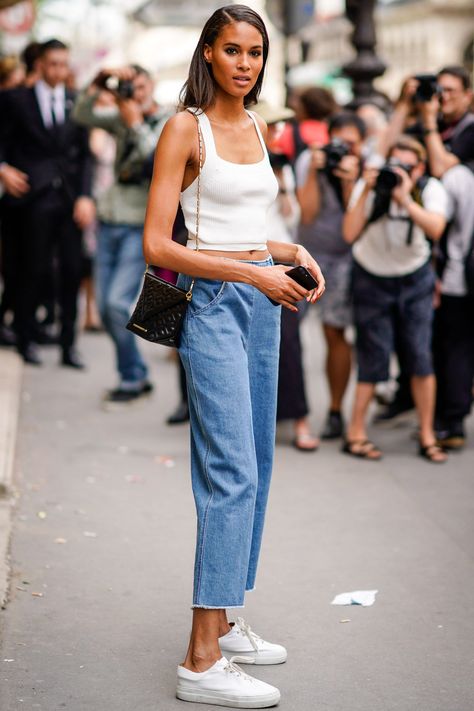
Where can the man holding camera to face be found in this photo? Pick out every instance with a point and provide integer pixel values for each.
(446, 124)
(325, 178)
(391, 213)
(136, 124)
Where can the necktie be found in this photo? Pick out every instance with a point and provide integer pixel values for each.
(54, 118)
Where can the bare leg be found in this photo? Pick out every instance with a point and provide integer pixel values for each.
(208, 626)
(303, 435)
(357, 431)
(424, 393)
(338, 364)
(92, 319)
(363, 396)
(224, 626)
(203, 651)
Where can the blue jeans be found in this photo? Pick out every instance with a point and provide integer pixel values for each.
(119, 271)
(230, 349)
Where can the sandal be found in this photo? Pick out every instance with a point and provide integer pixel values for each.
(432, 452)
(305, 442)
(362, 449)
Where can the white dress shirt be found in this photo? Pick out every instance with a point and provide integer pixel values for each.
(48, 98)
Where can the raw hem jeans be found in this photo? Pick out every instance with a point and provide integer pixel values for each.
(230, 348)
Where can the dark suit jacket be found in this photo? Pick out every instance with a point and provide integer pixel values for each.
(50, 157)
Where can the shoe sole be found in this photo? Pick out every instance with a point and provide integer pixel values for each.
(217, 699)
(109, 406)
(254, 658)
(451, 443)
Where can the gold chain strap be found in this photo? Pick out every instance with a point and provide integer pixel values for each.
(189, 294)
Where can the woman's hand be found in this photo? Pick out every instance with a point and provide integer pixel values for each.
(304, 259)
(274, 283)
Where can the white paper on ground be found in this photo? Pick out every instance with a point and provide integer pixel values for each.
(358, 597)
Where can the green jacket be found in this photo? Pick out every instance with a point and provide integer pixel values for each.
(123, 203)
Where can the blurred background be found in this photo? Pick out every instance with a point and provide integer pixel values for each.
(311, 39)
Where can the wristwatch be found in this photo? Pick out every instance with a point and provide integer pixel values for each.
(426, 131)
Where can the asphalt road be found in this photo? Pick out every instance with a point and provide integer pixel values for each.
(102, 555)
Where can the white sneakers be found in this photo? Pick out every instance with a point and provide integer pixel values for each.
(247, 644)
(226, 684)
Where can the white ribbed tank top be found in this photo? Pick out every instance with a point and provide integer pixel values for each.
(235, 198)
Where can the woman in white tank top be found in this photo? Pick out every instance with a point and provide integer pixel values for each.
(230, 338)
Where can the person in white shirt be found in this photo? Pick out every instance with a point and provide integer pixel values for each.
(393, 286)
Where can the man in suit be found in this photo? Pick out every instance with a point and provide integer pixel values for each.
(45, 169)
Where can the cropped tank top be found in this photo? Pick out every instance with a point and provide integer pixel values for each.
(235, 198)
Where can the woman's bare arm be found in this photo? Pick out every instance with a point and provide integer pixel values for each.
(176, 161)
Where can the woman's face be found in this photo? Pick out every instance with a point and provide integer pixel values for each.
(236, 58)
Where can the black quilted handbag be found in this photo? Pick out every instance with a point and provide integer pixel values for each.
(159, 313)
(161, 307)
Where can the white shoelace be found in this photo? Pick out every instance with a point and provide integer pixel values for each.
(232, 668)
(252, 637)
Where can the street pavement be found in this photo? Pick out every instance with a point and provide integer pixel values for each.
(102, 551)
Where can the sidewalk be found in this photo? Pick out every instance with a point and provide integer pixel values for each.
(102, 555)
(11, 368)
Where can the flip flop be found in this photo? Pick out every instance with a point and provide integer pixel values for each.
(366, 449)
(431, 451)
(305, 442)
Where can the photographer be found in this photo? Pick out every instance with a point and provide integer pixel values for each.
(325, 178)
(136, 125)
(390, 215)
(453, 342)
(446, 122)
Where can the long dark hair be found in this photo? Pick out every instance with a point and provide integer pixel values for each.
(200, 87)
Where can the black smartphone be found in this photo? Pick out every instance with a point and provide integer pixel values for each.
(302, 277)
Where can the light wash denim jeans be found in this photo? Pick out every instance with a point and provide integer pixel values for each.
(119, 268)
(230, 349)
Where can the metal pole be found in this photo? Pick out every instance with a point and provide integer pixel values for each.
(366, 65)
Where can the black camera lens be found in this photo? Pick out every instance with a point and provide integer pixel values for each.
(120, 87)
(335, 152)
(125, 89)
(427, 87)
(387, 180)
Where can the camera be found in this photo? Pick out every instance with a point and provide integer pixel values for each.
(335, 152)
(427, 87)
(278, 160)
(388, 178)
(122, 88)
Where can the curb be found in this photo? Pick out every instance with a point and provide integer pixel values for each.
(11, 369)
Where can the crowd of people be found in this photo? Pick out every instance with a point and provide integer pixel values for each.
(380, 195)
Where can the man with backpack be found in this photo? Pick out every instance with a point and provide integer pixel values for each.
(391, 213)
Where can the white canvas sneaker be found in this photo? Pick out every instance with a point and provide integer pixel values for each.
(225, 684)
(247, 644)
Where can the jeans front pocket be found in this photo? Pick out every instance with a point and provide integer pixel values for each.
(206, 293)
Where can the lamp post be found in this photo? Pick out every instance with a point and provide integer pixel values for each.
(366, 65)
